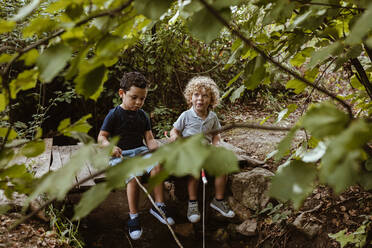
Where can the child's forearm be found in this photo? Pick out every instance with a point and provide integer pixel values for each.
(174, 134)
(216, 140)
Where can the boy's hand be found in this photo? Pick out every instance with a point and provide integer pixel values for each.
(116, 152)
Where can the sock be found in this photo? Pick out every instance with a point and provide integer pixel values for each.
(160, 204)
(132, 216)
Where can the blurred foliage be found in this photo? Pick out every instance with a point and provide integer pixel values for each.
(83, 47)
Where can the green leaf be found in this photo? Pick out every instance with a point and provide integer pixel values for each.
(341, 162)
(33, 148)
(186, 156)
(297, 85)
(225, 159)
(5, 58)
(38, 26)
(26, 10)
(227, 93)
(110, 46)
(6, 26)
(80, 126)
(315, 154)
(324, 120)
(3, 101)
(74, 10)
(52, 61)
(30, 57)
(90, 80)
(293, 182)
(258, 74)
(354, 81)
(25, 80)
(14, 171)
(13, 134)
(323, 53)
(90, 200)
(285, 144)
(152, 9)
(234, 79)
(4, 209)
(237, 93)
(286, 112)
(361, 28)
(205, 26)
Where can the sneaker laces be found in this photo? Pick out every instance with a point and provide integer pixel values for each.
(133, 224)
(193, 208)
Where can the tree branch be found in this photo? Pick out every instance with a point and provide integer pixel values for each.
(245, 125)
(277, 64)
(363, 78)
(336, 6)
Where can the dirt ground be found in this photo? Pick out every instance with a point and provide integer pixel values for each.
(329, 212)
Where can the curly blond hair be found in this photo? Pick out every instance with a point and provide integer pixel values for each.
(199, 82)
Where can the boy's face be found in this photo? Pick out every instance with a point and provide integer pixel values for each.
(201, 100)
(134, 98)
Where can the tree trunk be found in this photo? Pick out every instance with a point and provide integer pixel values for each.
(362, 76)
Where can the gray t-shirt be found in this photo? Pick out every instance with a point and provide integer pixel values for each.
(189, 123)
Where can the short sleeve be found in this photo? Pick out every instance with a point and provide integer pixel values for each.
(108, 122)
(148, 122)
(180, 123)
(216, 124)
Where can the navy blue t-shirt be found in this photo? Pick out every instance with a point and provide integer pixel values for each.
(129, 125)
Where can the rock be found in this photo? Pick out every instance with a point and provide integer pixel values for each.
(248, 227)
(307, 225)
(251, 188)
(241, 212)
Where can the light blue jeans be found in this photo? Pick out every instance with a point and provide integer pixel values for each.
(129, 154)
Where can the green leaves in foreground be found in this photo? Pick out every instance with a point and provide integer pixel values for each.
(340, 152)
(293, 182)
(183, 157)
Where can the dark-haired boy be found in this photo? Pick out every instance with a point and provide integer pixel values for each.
(131, 124)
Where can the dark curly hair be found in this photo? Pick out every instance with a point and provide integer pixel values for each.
(130, 79)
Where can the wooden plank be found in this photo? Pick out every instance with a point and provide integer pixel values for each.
(56, 159)
(41, 163)
(65, 152)
(84, 172)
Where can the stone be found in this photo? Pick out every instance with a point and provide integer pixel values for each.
(248, 227)
(306, 225)
(241, 212)
(251, 188)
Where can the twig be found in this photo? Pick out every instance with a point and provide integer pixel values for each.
(245, 125)
(129, 241)
(277, 64)
(331, 5)
(161, 212)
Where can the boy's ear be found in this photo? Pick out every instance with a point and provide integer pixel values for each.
(121, 93)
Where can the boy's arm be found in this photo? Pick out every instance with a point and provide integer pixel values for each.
(103, 141)
(174, 134)
(150, 140)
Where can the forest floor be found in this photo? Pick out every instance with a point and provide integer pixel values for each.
(323, 210)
